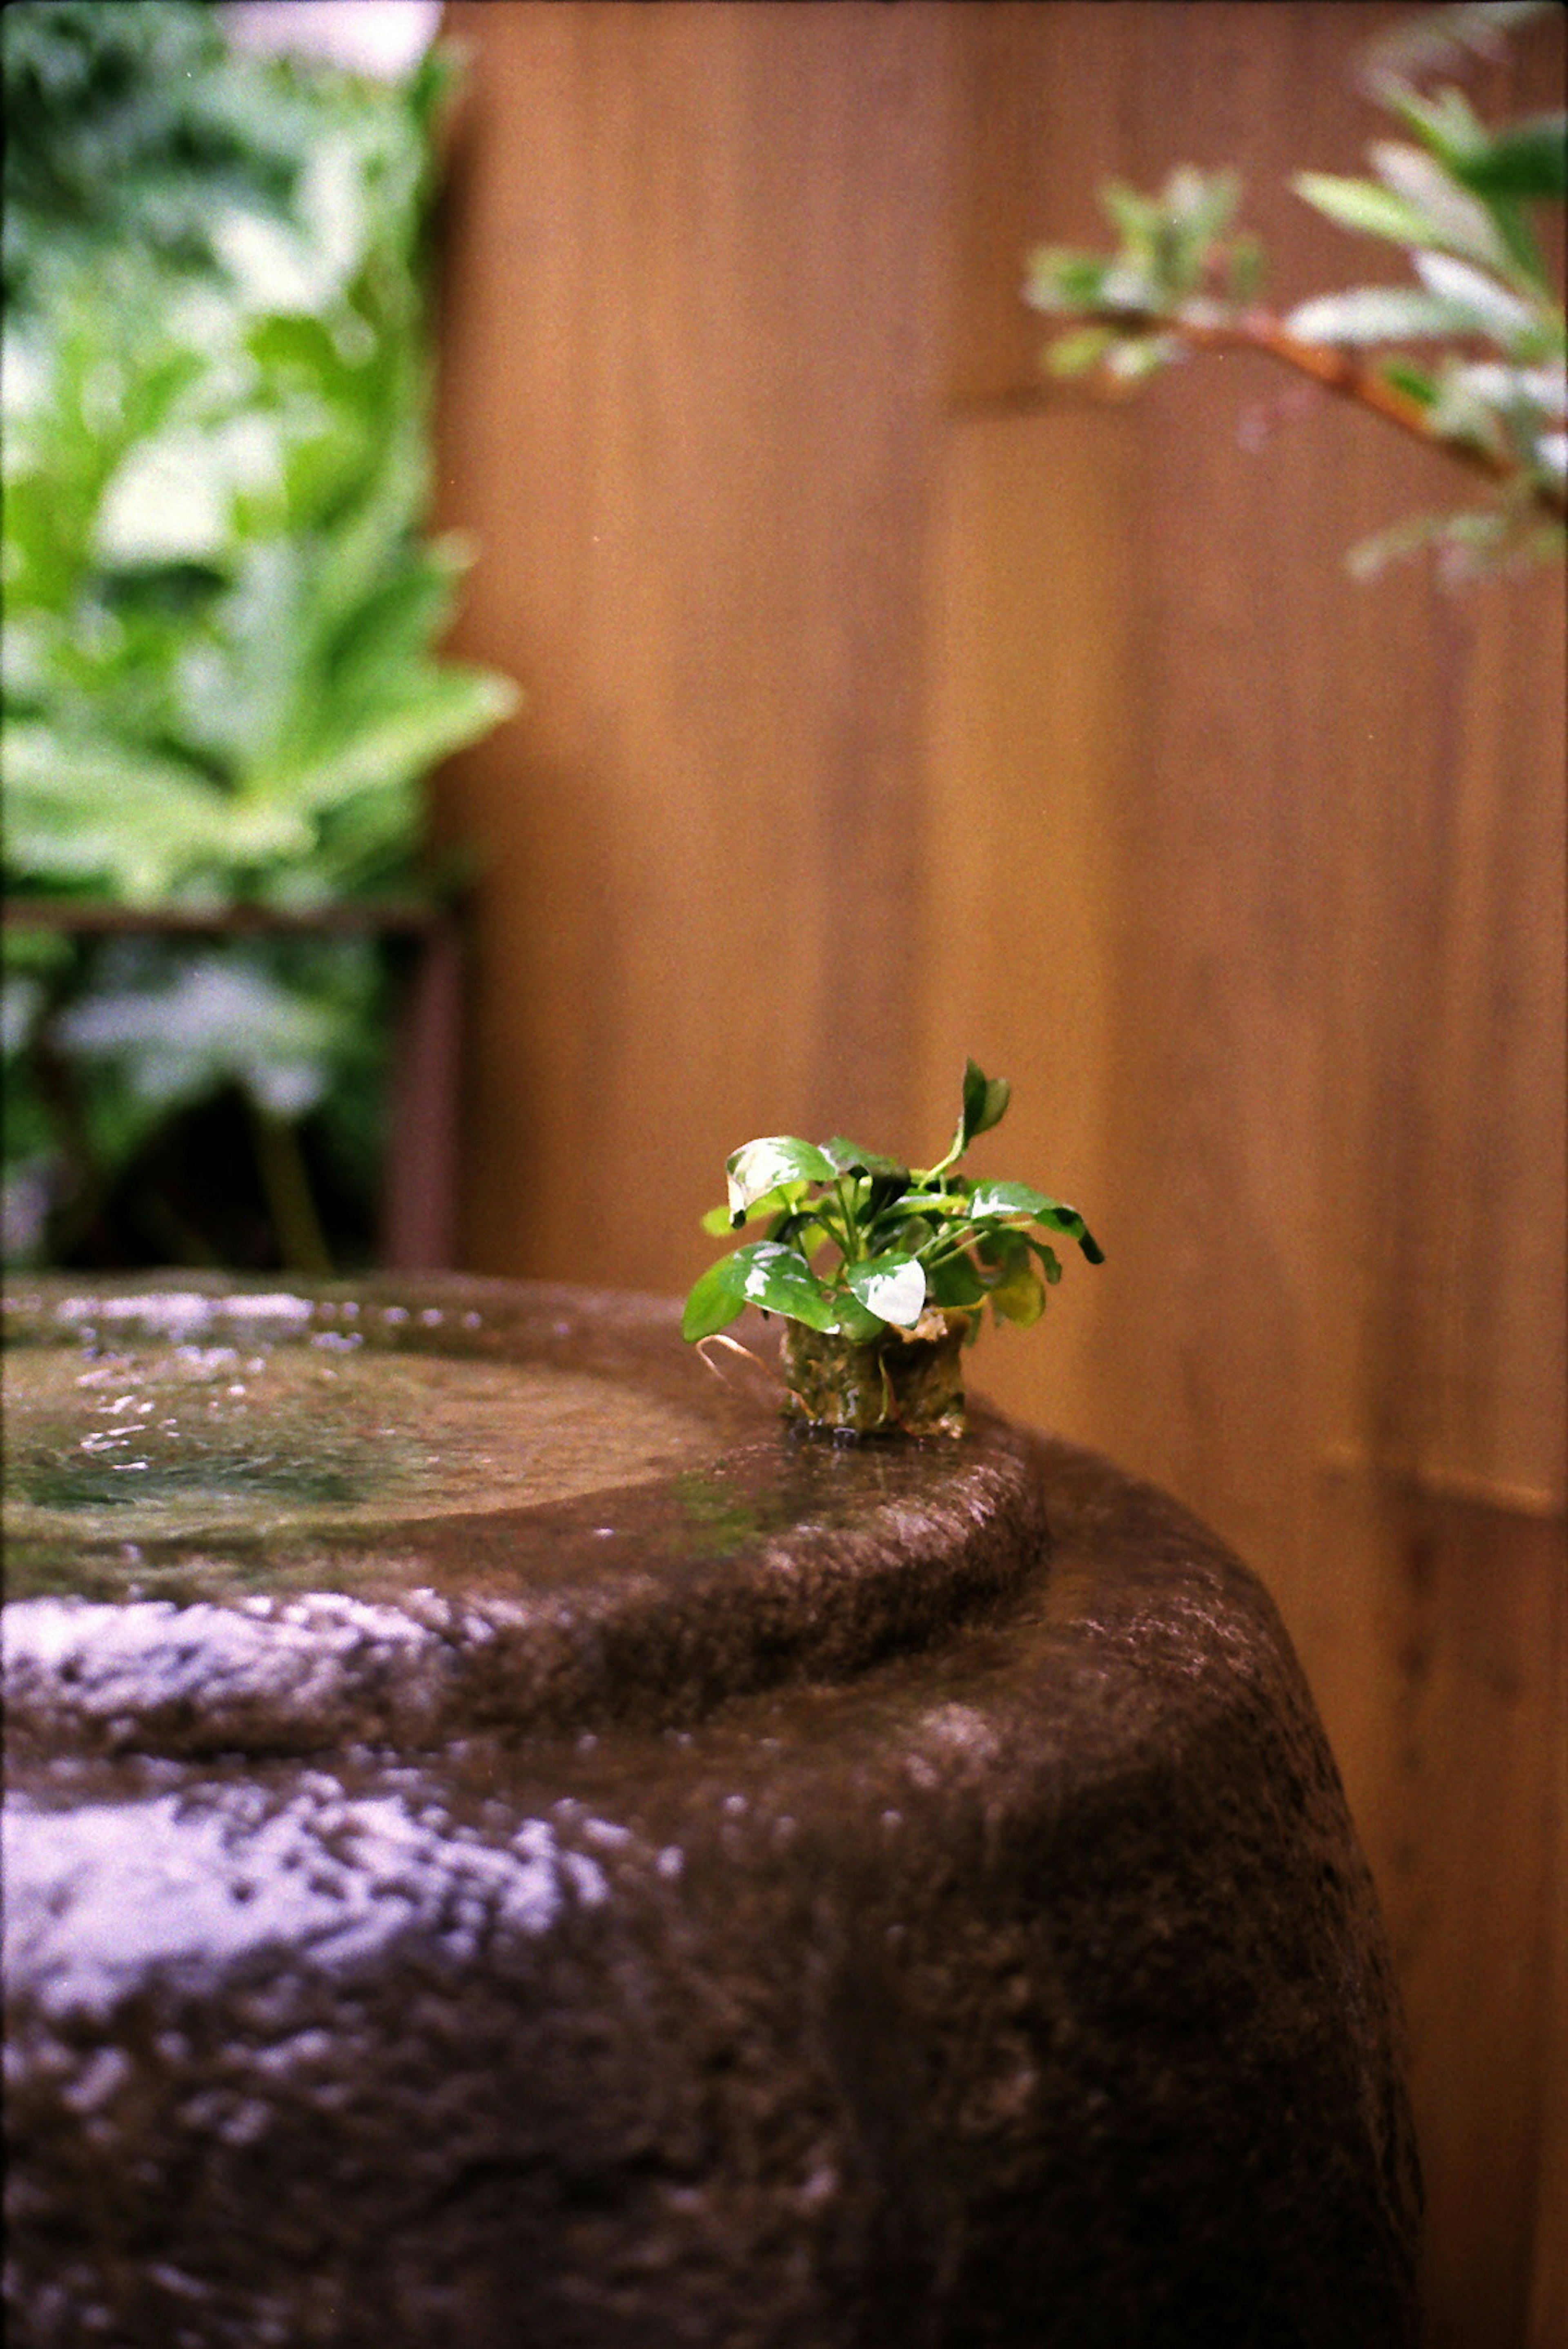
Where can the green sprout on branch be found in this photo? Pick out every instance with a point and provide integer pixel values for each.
(880, 1271)
(1470, 358)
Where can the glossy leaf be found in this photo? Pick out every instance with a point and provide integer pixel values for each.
(882, 1190)
(855, 1323)
(777, 1279)
(984, 1104)
(774, 1160)
(884, 1179)
(954, 1242)
(912, 1233)
(1009, 1199)
(1003, 1247)
(780, 1202)
(985, 1100)
(763, 1274)
(1020, 1199)
(893, 1287)
(716, 1298)
(945, 1201)
(850, 1158)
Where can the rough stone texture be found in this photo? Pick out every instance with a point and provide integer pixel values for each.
(918, 1907)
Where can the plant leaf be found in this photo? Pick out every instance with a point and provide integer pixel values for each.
(1456, 218)
(715, 1299)
(779, 1201)
(849, 1158)
(1020, 1200)
(860, 1327)
(985, 1100)
(1050, 1262)
(767, 1165)
(1417, 383)
(1019, 1298)
(1008, 1199)
(1363, 204)
(954, 1283)
(95, 812)
(1060, 280)
(1527, 160)
(765, 1274)
(1374, 314)
(1481, 304)
(438, 711)
(780, 1280)
(893, 1287)
(1075, 353)
(947, 1198)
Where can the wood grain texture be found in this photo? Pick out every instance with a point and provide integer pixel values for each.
(689, 379)
(886, 705)
(1030, 758)
(1549, 2280)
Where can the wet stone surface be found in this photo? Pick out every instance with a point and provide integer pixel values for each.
(510, 1845)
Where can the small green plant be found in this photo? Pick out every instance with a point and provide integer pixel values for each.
(879, 1271)
(1469, 359)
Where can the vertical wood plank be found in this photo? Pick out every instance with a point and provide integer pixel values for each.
(1335, 1045)
(692, 313)
(1031, 708)
(1464, 1830)
(1548, 2281)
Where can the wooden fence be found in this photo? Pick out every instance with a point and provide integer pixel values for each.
(885, 705)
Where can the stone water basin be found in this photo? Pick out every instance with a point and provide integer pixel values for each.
(506, 1843)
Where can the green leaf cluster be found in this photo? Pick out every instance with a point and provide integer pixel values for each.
(1475, 346)
(221, 682)
(856, 1243)
(1176, 260)
(219, 677)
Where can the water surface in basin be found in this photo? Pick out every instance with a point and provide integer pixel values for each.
(210, 1442)
(179, 1440)
(150, 1424)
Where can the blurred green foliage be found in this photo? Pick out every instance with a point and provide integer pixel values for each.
(220, 686)
(1469, 356)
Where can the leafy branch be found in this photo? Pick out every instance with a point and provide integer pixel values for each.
(1469, 360)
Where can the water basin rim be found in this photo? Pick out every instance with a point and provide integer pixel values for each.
(760, 1560)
